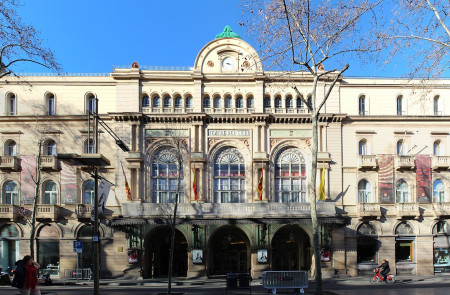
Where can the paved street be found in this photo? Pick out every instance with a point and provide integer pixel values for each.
(416, 285)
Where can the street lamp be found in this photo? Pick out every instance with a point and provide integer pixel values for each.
(94, 160)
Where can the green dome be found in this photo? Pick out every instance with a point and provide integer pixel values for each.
(227, 33)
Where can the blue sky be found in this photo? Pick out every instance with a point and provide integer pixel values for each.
(92, 36)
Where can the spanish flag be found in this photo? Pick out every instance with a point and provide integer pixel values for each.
(127, 187)
(322, 186)
(260, 185)
(194, 184)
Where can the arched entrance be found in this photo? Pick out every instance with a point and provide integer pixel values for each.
(291, 249)
(9, 247)
(229, 252)
(157, 253)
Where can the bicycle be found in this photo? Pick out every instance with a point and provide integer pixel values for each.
(377, 277)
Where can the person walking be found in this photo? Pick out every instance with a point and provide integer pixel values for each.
(385, 269)
(25, 277)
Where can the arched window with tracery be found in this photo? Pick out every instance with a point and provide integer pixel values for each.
(164, 177)
(290, 177)
(229, 177)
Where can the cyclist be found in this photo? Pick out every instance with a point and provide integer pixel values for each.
(385, 269)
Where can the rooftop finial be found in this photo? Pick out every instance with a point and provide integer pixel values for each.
(227, 33)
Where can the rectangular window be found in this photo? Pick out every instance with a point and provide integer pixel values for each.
(48, 256)
(404, 250)
(367, 250)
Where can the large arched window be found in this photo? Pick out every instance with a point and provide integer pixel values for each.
(49, 193)
(228, 102)
(145, 101)
(50, 148)
(165, 173)
(290, 177)
(10, 193)
(217, 102)
(402, 191)
(156, 102)
(167, 102)
(437, 148)
(362, 147)
(367, 246)
(178, 102)
(267, 102)
(11, 148)
(289, 103)
(189, 102)
(278, 103)
(229, 177)
(88, 192)
(300, 104)
(438, 191)
(206, 102)
(404, 244)
(239, 103)
(364, 191)
(250, 103)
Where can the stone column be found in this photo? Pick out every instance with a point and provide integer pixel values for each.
(424, 259)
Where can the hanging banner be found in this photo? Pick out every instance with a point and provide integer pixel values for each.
(68, 183)
(386, 178)
(133, 256)
(27, 174)
(423, 178)
(103, 191)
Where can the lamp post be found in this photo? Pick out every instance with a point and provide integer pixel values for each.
(94, 160)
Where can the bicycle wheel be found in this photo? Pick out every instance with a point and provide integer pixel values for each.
(374, 279)
(390, 279)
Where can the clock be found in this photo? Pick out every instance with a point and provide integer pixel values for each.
(228, 63)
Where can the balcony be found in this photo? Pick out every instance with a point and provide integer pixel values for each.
(404, 162)
(367, 162)
(440, 162)
(49, 163)
(369, 210)
(84, 210)
(8, 211)
(407, 210)
(44, 211)
(10, 163)
(441, 209)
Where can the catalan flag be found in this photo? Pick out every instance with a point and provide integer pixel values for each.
(260, 185)
(127, 187)
(194, 184)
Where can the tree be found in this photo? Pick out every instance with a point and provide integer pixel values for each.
(20, 43)
(420, 30)
(304, 36)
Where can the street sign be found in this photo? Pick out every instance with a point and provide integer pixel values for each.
(77, 247)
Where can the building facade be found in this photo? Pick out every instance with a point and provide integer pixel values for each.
(244, 140)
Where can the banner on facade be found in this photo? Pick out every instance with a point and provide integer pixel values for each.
(386, 178)
(27, 174)
(262, 255)
(423, 178)
(197, 256)
(68, 183)
(133, 256)
(103, 191)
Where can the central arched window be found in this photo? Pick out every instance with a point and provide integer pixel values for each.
(278, 103)
(239, 103)
(206, 102)
(167, 102)
(438, 191)
(50, 105)
(300, 103)
(400, 105)
(178, 102)
(267, 102)
(228, 102)
(10, 193)
(189, 102)
(290, 177)
(401, 148)
(362, 105)
(88, 192)
(364, 191)
(289, 104)
(217, 102)
(437, 106)
(250, 104)
(50, 193)
(229, 177)
(165, 173)
(11, 104)
(402, 191)
(437, 148)
(156, 102)
(91, 103)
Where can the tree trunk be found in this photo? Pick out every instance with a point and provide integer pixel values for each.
(37, 183)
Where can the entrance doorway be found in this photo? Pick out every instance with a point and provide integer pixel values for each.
(229, 252)
(291, 249)
(157, 253)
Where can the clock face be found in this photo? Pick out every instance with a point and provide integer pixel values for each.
(228, 63)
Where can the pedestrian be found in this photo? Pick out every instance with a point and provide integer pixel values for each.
(25, 277)
(385, 269)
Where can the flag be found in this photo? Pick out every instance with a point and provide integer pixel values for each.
(127, 187)
(260, 185)
(322, 186)
(194, 184)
